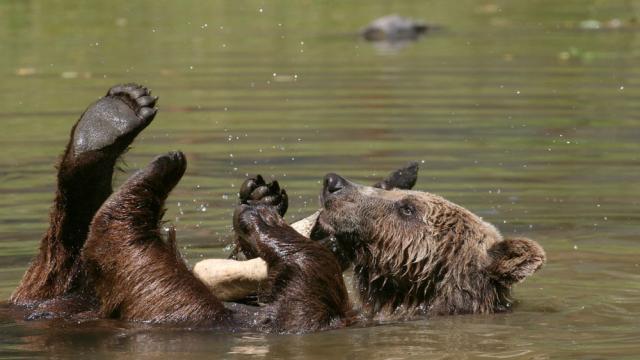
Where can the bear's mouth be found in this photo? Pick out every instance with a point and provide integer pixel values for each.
(321, 229)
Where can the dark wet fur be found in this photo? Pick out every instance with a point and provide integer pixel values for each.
(104, 256)
(417, 253)
(84, 183)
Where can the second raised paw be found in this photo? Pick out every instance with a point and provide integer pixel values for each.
(255, 191)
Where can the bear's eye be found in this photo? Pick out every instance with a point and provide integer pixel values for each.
(407, 209)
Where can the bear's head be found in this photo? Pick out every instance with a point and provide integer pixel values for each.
(415, 252)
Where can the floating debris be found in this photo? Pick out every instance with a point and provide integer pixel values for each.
(394, 28)
(121, 22)
(26, 71)
(69, 75)
(285, 77)
(576, 54)
(612, 24)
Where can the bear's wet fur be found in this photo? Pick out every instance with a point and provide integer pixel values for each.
(417, 253)
(103, 255)
(135, 273)
(83, 184)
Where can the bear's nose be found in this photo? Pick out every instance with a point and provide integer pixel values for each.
(334, 183)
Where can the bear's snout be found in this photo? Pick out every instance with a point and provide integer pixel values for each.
(334, 186)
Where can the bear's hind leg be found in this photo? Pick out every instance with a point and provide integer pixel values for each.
(101, 135)
(136, 275)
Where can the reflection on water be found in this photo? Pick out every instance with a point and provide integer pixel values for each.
(513, 110)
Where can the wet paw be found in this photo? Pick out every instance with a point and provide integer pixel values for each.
(115, 120)
(159, 177)
(254, 191)
(165, 171)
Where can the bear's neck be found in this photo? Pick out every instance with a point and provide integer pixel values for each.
(446, 291)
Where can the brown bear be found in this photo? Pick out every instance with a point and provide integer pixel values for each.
(103, 254)
(417, 253)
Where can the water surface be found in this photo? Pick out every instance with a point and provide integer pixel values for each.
(513, 111)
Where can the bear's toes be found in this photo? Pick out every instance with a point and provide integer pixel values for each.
(249, 186)
(130, 90)
(138, 98)
(146, 102)
(254, 191)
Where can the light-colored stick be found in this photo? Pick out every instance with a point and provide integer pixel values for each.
(230, 279)
(305, 225)
(233, 280)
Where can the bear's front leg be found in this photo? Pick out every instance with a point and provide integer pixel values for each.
(305, 290)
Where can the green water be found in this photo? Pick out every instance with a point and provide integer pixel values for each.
(512, 110)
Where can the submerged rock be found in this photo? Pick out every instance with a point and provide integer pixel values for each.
(394, 28)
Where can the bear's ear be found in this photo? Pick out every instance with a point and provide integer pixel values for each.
(512, 260)
(404, 178)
